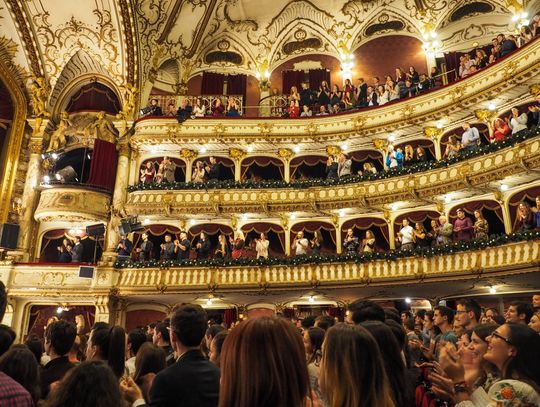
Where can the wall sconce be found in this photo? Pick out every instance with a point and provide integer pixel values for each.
(263, 76)
(431, 43)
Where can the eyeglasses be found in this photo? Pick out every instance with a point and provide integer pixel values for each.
(498, 335)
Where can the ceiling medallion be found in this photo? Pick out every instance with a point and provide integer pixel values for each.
(300, 35)
(223, 45)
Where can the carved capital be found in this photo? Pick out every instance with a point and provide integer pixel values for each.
(380, 144)
(534, 90)
(265, 128)
(333, 150)
(432, 133)
(36, 145)
(188, 154)
(123, 149)
(237, 154)
(285, 153)
(312, 129)
(485, 115)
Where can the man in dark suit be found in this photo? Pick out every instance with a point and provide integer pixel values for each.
(192, 381)
(167, 249)
(362, 92)
(77, 251)
(145, 251)
(182, 247)
(124, 248)
(59, 338)
(214, 169)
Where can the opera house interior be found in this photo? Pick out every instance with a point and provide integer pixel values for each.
(203, 202)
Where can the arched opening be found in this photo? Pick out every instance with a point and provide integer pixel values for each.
(262, 169)
(361, 157)
(308, 167)
(426, 145)
(326, 232)
(527, 196)
(423, 217)
(491, 210)
(40, 315)
(226, 171)
(179, 171)
(405, 50)
(156, 234)
(52, 241)
(360, 226)
(458, 132)
(94, 96)
(212, 232)
(79, 160)
(274, 233)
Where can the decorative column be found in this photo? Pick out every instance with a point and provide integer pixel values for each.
(337, 224)
(286, 154)
(188, 156)
(435, 134)
(391, 234)
(30, 193)
(134, 168)
(505, 205)
(102, 309)
(118, 201)
(285, 224)
(382, 145)
(237, 155)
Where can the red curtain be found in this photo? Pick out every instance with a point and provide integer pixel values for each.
(470, 207)
(312, 227)
(316, 76)
(212, 83)
(290, 79)
(373, 156)
(529, 194)
(39, 314)
(94, 96)
(263, 227)
(363, 224)
(417, 217)
(262, 162)
(210, 229)
(229, 316)
(237, 85)
(482, 129)
(309, 160)
(103, 165)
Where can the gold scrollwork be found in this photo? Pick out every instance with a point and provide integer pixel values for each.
(433, 133)
(285, 153)
(237, 153)
(188, 154)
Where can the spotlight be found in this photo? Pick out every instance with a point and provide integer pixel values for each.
(66, 174)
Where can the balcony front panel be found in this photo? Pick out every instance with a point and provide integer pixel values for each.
(72, 205)
(477, 171)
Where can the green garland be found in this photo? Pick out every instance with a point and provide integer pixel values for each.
(392, 255)
(319, 182)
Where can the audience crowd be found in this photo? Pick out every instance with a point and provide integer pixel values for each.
(326, 99)
(468, 357)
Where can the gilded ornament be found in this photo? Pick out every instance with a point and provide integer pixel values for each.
(509, 69)
(129, 92)
(407, 112)
(485, 115)
(380, 144)
(188, 154)
(359, 122)
(237, 153)
(219, 129)
(333, 150)
(265, 128)
(285, 153)
(311, 129)
(534, 90)
(58, 139)
(39, 92)
(103, 129)
(432, 133)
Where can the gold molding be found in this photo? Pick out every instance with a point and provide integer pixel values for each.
(14, 140)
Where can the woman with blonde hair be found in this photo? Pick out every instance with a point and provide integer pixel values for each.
(238, 244)
(481, 227)
(368, 244)
(352, 371)
(198, 172)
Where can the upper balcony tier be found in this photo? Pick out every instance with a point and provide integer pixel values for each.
(510, 77)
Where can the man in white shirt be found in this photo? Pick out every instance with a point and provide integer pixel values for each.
(405, 236)
(261, 246)
(300, 244)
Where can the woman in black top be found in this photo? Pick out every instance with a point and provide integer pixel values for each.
(420, 236)
(202, 247)
(323, 95)
(421, 156)
(335, 97)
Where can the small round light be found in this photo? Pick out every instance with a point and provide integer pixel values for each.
(447, 199)
(59, 310)
(54, 156)
(492, 290)
(311, 299)
(492, 106)
(244, 217)
(408, 300)
(344, 147)
(146, 221)
(192, 222)
(504, 187)
(46, 178)
(439, 125)
(203, 150)
(292, 216)
(341, 213)
(250, 148)
(296, 149)
(394, 207)
(209, 301)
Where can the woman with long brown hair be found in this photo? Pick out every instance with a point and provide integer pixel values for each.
(263, 364)
(352, 370)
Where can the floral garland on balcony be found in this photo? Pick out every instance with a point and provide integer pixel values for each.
(392, 255)
(319, 182)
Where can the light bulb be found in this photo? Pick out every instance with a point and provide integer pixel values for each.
(392, 138)
(492, 106)
(209, 301)
(146, 221)
(408, 300)
(344, 146)
(59, 310)
(447, 199)
(46, 179)
(311, 299)
(203, 150)
(292, 216)
(341, 213)
(394, 206)
(492, 290)
(54, 156)
(250, 149)
(296, 149)
(192, 222)
(440, 125)
(504, 187)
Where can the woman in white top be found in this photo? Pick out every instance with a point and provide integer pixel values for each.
(368, 244)
(261, 246)
(199, 110)
(515, 350)
(198, 172)
(516, 121)
(393, 91)
(382, 95)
